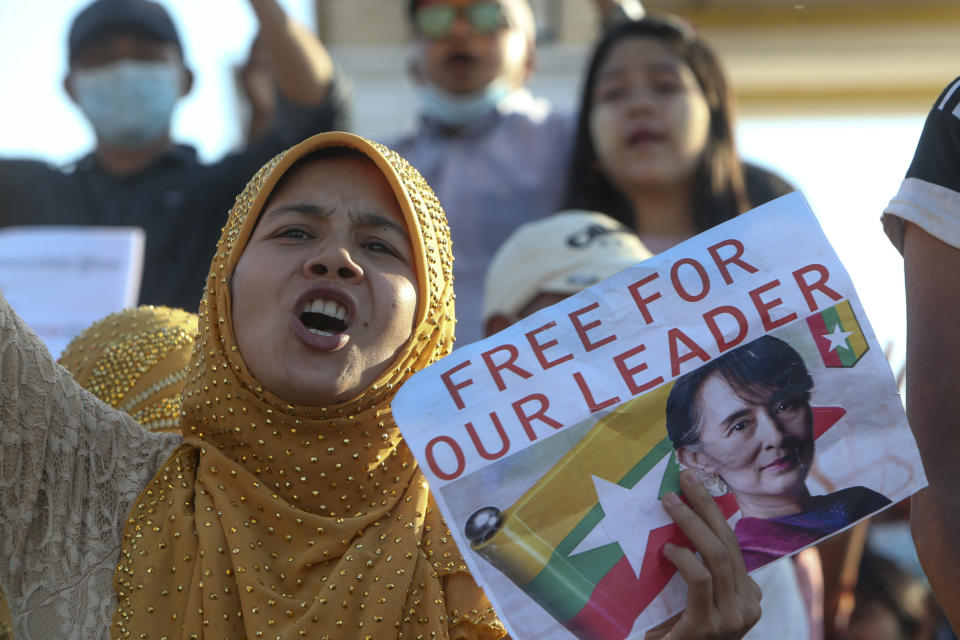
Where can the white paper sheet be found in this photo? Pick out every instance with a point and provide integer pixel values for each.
(62, 279)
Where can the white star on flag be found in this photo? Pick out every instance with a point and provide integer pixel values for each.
(837, 339)
(629, 515)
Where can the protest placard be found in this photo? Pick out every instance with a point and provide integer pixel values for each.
(63, 279)
(743, 352)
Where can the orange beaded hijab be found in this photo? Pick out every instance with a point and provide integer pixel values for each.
(286, 521)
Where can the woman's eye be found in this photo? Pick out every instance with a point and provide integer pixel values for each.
(786, 405)
(667, 87)
(294, 233)
(381, 247)
(610, 94)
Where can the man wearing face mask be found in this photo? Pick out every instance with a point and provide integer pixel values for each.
(126, 74)
(495, 155)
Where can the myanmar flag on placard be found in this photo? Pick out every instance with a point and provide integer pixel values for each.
(838, 335)
(596, 569)
(595, 593)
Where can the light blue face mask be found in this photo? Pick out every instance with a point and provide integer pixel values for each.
(453, 110)
(129, 103)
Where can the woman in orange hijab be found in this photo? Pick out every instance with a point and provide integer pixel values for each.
(291, 506)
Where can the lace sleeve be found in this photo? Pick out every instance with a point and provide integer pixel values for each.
(70, 469)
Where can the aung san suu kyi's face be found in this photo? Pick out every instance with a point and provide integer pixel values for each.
(325, 293)
(760, 444)
(650, 120)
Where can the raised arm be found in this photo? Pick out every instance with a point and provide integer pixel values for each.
(300, 63)
(613, 12)
(932, 272)
(70, 467)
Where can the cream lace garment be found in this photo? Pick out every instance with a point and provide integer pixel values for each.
(70, 469)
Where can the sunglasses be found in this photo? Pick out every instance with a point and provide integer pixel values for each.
(436, 20)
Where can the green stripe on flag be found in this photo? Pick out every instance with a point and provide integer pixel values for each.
(831, 318)
(565, 585)
(579, 532)
(646, 463)
(671, 477)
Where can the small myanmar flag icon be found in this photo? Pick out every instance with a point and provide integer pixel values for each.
(838, 335)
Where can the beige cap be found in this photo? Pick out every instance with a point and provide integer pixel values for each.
(564, 253)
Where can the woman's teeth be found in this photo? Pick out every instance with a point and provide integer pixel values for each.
(327, 308)
(324, 317)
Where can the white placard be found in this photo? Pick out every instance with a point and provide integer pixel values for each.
(61, 279)
(547, 446)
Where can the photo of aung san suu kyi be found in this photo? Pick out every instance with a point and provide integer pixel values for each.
(744, 420)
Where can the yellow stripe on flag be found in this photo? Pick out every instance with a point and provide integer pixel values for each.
(858, 342)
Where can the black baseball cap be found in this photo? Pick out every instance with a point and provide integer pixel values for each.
(140, 16)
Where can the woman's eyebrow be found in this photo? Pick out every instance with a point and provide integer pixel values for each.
(663, 66)
(736, 415)
(370, 219)
(610, 72)
(308, 208)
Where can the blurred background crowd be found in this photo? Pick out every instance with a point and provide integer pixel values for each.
(668, 116)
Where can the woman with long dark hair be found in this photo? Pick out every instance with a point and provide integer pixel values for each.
(655, 145)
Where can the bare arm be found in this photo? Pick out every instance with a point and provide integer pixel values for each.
(932, 270)
(300, 63)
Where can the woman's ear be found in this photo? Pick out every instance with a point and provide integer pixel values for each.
(694, 460)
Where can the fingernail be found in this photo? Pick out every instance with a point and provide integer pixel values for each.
(672, 498)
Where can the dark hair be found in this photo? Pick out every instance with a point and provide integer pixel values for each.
(720, 190)
(765, 364)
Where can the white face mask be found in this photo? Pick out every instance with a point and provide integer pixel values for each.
(454, 110)
(129, 103)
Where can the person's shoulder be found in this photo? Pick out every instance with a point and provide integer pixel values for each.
(524, 107)
(28, 168)
(763, 185)
(937, 158)
(929, 195)
(31, 190)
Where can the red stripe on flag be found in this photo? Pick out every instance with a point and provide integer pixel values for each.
(824, 418)
(612, 608)
(621, 596)
(819, 329)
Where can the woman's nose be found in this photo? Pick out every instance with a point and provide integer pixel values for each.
(640, 100)
(769, 429)
(334, 262)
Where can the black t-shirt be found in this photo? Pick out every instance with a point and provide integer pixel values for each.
(181, 203)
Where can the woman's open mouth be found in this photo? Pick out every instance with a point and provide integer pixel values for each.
(324, 317)
(644, 137)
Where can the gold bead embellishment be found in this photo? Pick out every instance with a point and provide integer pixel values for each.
(136, 360)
